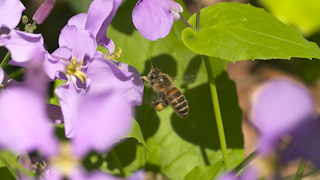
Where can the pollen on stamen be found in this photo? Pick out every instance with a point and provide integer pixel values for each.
(73, 69)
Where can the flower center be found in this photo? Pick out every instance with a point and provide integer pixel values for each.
(74, 69)
(65, 162)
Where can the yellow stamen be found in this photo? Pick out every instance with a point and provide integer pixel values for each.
(65, 161)
(116, 55)
(72, 70)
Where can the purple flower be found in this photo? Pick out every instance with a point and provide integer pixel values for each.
(20, 44)
(102, 120)
(154, 18)
(87, 73)
(277, 108)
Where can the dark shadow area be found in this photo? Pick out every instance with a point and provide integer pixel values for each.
(60, 133)
(164, 62)
(5, 174)
(126, 152)
(190, 75)
(200, 127)
(204, 156)
(123, 18)
(90, 164)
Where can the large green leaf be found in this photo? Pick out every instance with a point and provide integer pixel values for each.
(205, 172)
(235, 32)
(175, 145)
(304, 15)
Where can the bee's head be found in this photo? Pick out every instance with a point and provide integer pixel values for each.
(153, 74)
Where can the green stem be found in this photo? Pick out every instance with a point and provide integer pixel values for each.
(245, 162)
(5, 61)
(300, 170)
(198, 15)
(117, 161)
(217, 112)
(16, 73)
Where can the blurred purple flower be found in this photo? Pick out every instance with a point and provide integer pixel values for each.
(278, 107)
(20, 44)
(304, 143)
(43, 11)
(154, 18)
(29, 130)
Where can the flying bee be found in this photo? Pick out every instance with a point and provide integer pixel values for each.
(167, 93)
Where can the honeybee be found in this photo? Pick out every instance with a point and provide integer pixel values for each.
(167, 93)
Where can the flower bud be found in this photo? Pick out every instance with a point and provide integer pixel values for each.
(43, 11)
(176, 9)
(24, 19)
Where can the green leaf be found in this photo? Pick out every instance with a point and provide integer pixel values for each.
(304, 15)
(205, 172)
(137, 134)
(236, 32)
(7, 161)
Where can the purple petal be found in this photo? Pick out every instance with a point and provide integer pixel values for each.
(23, 45)
(98, 11)
(102, 20)
(24, 123)
(78, 20)
(278, 106)
(95, 175)
(79, 42)
(305, 142)
(35, 76)
(1, 75)
(138, 175)
(152, 18)
(229, 176)
(108, 44)
(43, 11)
(57, 62)
(69, 97)
(55, 114)
(101, 121)
(10, 13)
(106, 75)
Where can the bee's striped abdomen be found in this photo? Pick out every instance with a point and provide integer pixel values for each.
(178, 102)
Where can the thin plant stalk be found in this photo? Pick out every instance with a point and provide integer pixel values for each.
(16, 73)
(300, 170)
(5, 61)
(198, 15)
(118, 162)
(185, 22)
(245, 162)
(217, 112)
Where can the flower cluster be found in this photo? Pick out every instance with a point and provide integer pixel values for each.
(97, 99)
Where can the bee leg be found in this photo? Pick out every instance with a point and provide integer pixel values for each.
(160, 103)
(144, 78)
(154, 103)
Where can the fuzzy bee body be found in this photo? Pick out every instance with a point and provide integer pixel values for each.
(167, 92)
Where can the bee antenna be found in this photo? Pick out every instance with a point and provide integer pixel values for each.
(151, 64)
